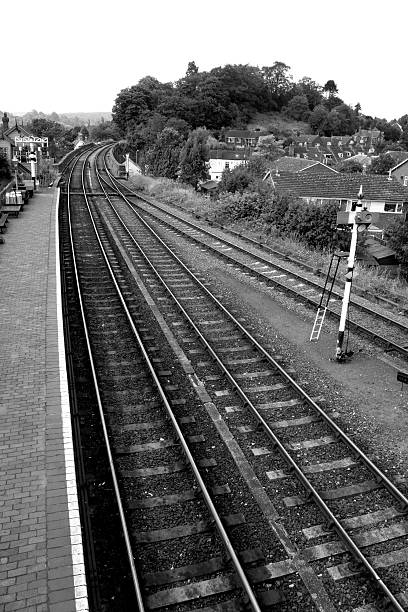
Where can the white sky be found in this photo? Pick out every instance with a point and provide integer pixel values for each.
(77, 55)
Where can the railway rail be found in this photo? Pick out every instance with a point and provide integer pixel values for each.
(390, 331)
(235, 488)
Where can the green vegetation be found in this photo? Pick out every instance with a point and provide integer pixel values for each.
(230, 214)
(232, 96)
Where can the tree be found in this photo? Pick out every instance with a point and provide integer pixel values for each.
(347, 120)
(187, 85)
(306, 87)
(245, 89)
(351, 166)
(382, 164)
(163, 157)
(269, 148)
(332, 101)
(245, 176)
(396, 235)
(298, 108)
(330, 88)
(392, 132)
(194, 157)
(105, 130)
(318, 119)
(135, 104)
(278, 82)
(404, 138)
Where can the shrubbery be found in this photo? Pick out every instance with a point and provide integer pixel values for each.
(244, 196)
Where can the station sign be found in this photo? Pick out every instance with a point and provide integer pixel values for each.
(31, 140)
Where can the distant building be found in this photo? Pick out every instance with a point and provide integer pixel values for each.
(240, 138)
(331, 150)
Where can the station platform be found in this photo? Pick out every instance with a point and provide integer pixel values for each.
(41, 555)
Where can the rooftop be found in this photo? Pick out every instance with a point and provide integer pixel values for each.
(295, 164)
(342, 186)
(228, 154)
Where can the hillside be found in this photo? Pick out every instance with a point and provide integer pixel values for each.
(275, 122)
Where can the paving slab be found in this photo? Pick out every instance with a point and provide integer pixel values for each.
(41, 555)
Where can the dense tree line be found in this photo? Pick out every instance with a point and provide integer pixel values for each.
(156, 118)
(230, 95)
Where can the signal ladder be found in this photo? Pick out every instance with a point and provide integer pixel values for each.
(321, 310)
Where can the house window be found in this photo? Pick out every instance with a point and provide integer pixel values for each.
(227, 165)
(398, 208)
(340, 154)
(390, 207)
(231, 139)
(405, 181)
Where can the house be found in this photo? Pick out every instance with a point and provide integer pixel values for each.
(17, 142)
(298, 164)
(381, 194)
(240, 138)
(369, 138)
(331, 150)
(8, 135)
(220, 159)
(400, 171)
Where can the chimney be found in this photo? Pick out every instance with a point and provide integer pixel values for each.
(389, 175)
(5, 121)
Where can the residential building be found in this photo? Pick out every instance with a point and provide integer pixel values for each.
(400, 171)
(298, 164)
(240, 138)
(381, 194)
(220, 159)
(331, 150)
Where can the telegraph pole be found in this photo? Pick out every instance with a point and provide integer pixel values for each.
(340, 354)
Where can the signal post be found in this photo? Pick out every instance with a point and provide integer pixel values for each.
(359, 219)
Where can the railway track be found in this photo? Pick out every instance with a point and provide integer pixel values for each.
(239, 491)
(389, 330)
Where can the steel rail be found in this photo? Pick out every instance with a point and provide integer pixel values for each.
(220, 527)
(252, 242)
(354, 549)
(390, 345)
(125, 531)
